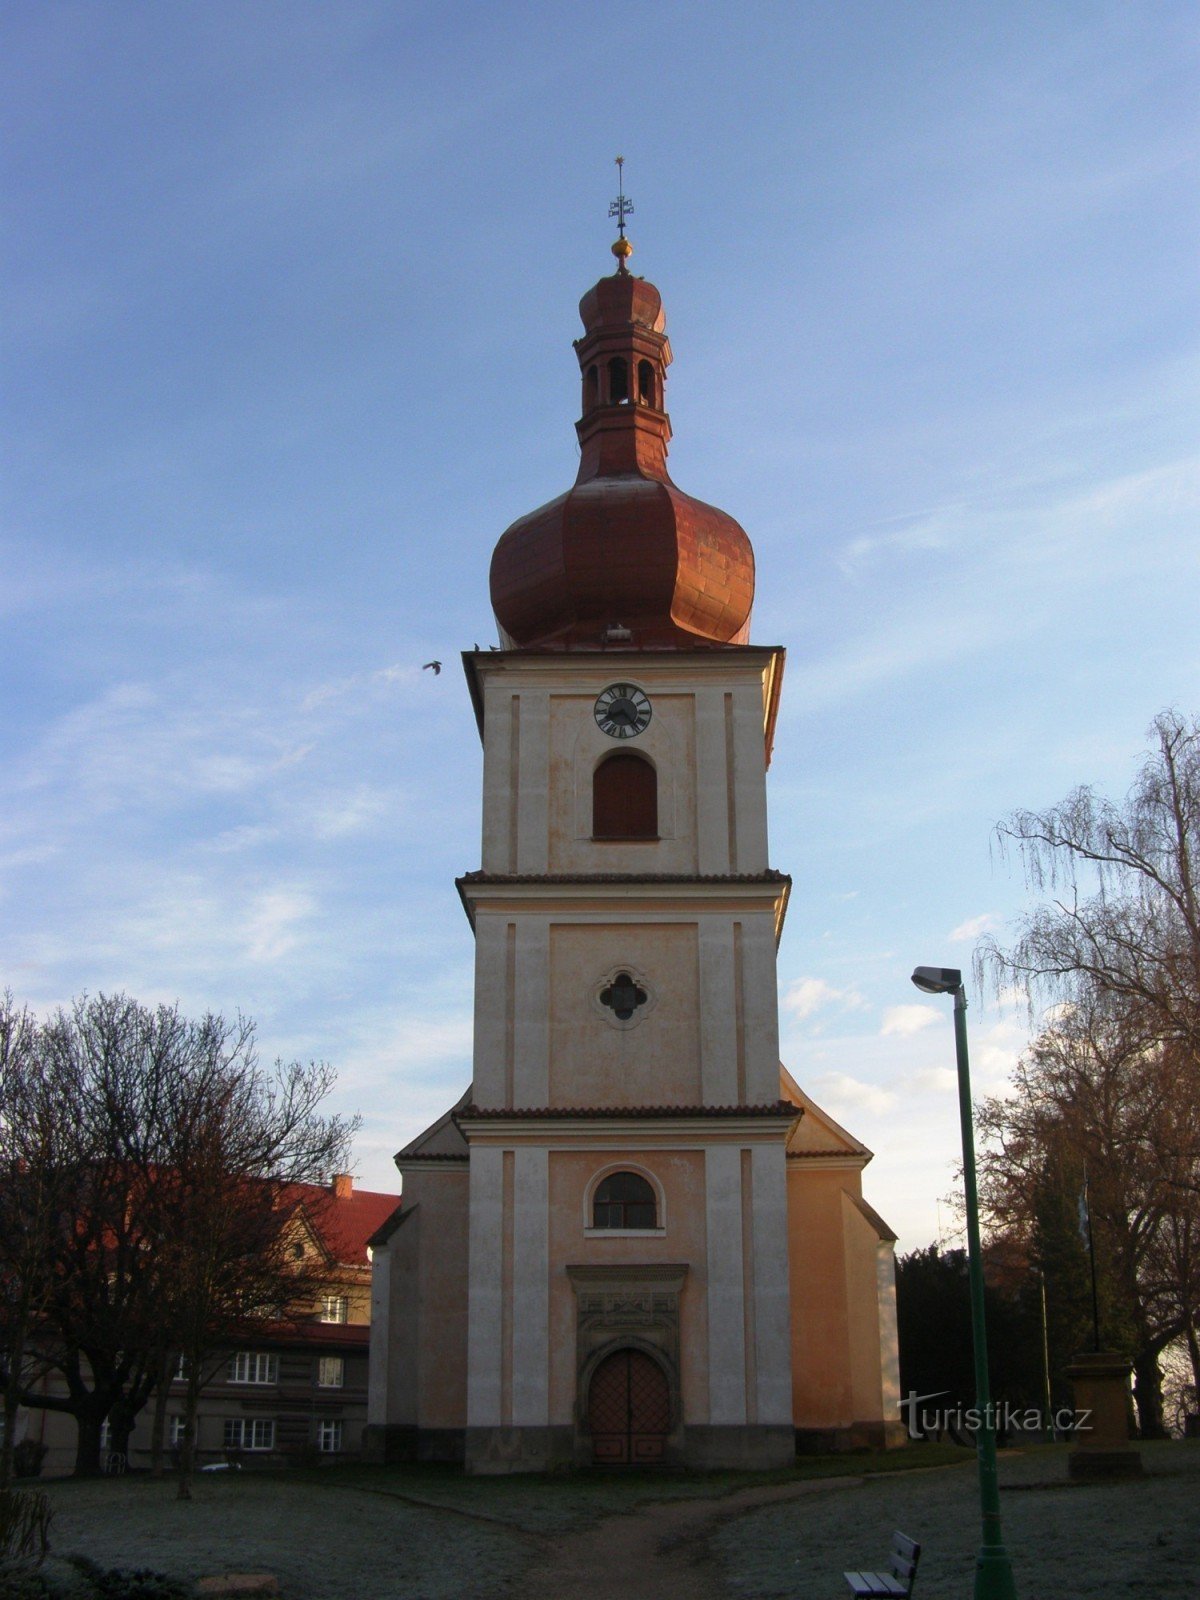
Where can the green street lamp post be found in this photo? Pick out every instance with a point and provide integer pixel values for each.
(993, 1570)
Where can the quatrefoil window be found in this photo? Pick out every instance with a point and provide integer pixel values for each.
(623, 996)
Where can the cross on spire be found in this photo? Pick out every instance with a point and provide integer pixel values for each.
(621, 207)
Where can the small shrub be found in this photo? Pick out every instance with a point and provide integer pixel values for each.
(119, 1583)
(23, 1583)
(28, 1456)
(24, 1526)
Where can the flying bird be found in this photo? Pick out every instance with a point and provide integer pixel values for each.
(436, 665)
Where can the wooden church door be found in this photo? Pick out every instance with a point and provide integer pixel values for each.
(629, 1409)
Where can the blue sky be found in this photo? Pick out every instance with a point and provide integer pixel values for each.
(290, 292)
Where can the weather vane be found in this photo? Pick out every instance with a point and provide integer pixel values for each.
(621, 208)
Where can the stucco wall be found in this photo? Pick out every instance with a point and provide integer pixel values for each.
(577, 746)
(442, 1300)
(652, 1060)
(705, 739)
(680, 1176)
(822, 1384)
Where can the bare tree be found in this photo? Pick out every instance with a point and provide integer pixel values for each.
(172, 1201)
(1088, 1100)
(1113, 1079)
(247, 1142)
(1127, 920)
(35, 1172)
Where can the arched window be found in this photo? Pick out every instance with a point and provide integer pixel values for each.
(624, 1200)
(625, 799)
(645, 383)
(618, 382)
(591, 389)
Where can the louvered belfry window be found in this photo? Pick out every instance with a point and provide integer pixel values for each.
(625, 798)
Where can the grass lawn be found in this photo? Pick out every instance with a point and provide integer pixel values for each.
(426, 1533)
(322, 1541)
(378, 1532)
(1110, 1541)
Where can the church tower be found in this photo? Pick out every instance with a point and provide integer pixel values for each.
(633, 1239)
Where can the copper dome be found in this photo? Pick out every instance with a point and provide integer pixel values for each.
(624, 548)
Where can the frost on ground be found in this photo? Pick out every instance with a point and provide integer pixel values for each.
(1108, 1542)
(321, 1542)
(351, 1534)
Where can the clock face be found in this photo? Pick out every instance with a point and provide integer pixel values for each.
(622, 711)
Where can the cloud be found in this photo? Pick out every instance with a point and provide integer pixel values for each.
(247, 836)
(1042, 531)
(839, 1090)
(995, 1049)
(929, 530)
(932, 1080)
(904, 1020)
(809, 995)
(138, 744)
(360, 690)
(884, 655)
(354, 812)
(1011, 995)
(270, 929)
(973, 927)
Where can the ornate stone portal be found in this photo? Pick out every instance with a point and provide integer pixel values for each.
(634, 1307)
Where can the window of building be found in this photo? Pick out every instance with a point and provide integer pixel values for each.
(618, 382)
(625, 798)
(329, 1437)
(645, 383)
(591, 391)
(253, 1366)
(623, 996)
(624, 1200)
(176, 1431)
(249, 1433)
(180, 1373)
(331, 1372)
(335, 1308)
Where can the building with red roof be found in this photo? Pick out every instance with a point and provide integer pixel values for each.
(295, 1391)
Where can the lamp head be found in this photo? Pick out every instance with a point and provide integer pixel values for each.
(938, 980)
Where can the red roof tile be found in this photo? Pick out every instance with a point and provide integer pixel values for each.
(345, 1223)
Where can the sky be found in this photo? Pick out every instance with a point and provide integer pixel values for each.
(289, 293)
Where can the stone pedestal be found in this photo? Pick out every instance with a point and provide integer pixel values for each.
(1102, 1447)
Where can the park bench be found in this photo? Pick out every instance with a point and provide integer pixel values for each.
(898, 1580)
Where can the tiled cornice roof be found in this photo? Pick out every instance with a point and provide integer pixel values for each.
(498, 878)
(808, 1155)
(414, 1156)
(774, 1108)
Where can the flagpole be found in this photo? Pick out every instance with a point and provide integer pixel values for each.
(1047, 1400)
(1091, 1238)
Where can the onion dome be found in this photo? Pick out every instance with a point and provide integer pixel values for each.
(624, 556)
